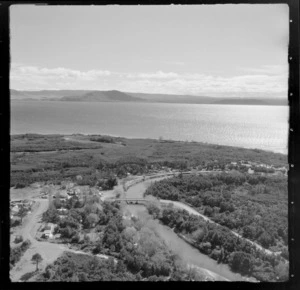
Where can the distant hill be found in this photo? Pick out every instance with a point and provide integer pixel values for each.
(45, 94)
(241, 101)
(166, 98)
(74, 96)
(118, 96)
(102, 96)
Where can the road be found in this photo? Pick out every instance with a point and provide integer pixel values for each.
(139, 193)
(50, 251)
(189, 209)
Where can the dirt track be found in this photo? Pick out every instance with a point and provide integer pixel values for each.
(137, 191)
(49, 251)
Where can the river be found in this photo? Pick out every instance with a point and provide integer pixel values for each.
(188, 253)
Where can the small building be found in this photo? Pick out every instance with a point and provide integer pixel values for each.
(62, 211)
(250, 171)
(48, 230)
(15, 221)
(78, 177)
(15, 210)
(71, 192)
(69, 185)
(63, 194)
(48, 234)
(94, 191)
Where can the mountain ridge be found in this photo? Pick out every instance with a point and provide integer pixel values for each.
(119, 96)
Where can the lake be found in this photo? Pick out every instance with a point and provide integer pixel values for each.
(262, 127)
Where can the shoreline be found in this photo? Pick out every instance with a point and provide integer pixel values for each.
(160, 140)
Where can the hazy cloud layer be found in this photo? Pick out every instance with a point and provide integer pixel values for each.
(265, 79)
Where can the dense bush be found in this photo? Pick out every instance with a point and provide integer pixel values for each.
(17, 252)
(140, 253)
(104, 139)
(222, 245)
(260, 214)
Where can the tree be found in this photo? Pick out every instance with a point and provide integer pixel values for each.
(241, 262)
(51, 216)
(198, 235)
(266, 240)
(91, 220)
(282, 271)
(57, 202)
(153, 209)
(22, 212)
(37, 258)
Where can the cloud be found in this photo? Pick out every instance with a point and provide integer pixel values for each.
(24, 72)
(156, 75)
(262, 80)
(207, 84)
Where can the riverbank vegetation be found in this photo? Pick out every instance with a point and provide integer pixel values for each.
(253, 205)
(222, 245)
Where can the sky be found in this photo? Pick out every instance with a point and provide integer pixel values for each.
(229, 50)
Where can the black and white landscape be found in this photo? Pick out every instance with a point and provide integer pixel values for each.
(149, 143)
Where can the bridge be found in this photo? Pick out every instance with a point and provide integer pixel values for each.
(132, 200)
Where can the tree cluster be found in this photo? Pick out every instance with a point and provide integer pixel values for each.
(255, 206)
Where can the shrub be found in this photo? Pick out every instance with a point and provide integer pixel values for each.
(20, 184)
(27, 276)
(18, 239)
(17, 252)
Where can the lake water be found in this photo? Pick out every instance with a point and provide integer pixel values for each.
(262, 127)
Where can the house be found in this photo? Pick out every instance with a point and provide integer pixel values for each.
(246, 165)
(62, 211)
(71, 192)
(63, 194)
(48, 230)
(233, 163)
(77, 191)
(94, 191)
(69, 185)
(15, 210)
(15, 221)
(250, 171)
(48, 234)
(78, 177)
